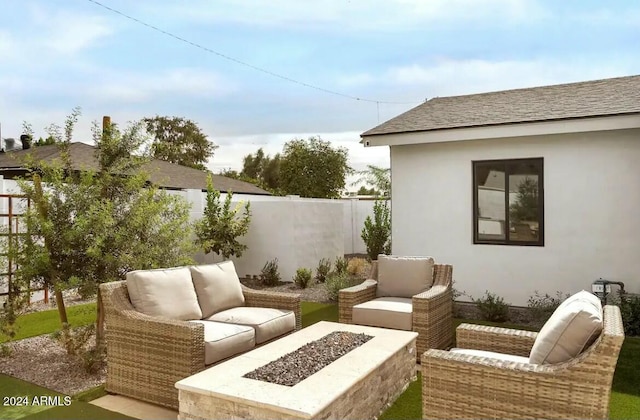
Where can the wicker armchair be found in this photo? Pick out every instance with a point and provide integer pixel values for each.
(432, 310)
(466, 386)
(146, 355)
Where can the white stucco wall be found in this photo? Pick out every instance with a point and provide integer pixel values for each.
(297, 231)
(592, 203)
(355, 213)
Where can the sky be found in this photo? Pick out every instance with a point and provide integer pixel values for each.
(266, 72)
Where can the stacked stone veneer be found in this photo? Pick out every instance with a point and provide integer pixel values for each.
(366, 398)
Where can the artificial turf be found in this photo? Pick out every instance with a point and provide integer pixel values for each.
(625, 395)
(46, 322)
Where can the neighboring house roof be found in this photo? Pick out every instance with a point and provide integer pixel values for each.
(164, 174)
(607, 97)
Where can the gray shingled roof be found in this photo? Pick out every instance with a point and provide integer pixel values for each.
(161, 173)
(596, 98)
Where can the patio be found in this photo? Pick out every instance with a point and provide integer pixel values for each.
(625, 397)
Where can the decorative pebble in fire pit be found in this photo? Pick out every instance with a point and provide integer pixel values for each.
(300, 364)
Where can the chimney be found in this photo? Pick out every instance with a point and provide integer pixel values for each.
(26, 141)
(9, 143)
(106, 123)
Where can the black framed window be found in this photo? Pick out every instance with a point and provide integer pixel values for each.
(508, 202)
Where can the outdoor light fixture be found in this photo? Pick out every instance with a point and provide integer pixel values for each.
(602, 288)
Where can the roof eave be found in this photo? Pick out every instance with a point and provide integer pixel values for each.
(514, 129)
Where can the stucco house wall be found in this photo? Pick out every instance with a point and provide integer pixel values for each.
(591, 210)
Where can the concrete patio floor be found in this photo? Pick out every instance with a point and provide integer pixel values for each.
(134, 408)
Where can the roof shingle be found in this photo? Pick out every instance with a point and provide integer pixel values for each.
(595, 98)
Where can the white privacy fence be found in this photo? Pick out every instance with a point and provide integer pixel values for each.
(297, 231)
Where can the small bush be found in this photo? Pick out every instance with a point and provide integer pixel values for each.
(93, 359)
(358, 267)
(341, 265)
(541, 307)
(324, 267)
(376, 232)
(630, 310)
(302, 277)
(338, 281)
(269, 274)
(5, 350)
(73, 340)
(492, 307)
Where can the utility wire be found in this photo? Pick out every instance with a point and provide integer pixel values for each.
(251, 66)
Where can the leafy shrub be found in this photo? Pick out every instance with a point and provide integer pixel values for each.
(630, 310)
(269, 274)
(492, 307)
(73, 340)
(376, 233)
(541, 307)
(337, 281)
(5, 350)
(341, 265)
(93, 359)
(358, 267)
(324, 267)
(302, 277)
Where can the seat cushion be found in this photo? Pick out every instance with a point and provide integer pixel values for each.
(268, 322)
(403, 276)
(223, 340)
(492, 355)
(167, 293)
(572, 327)
(386, 312)
(217, 286)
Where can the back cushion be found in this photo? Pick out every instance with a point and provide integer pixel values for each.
(167, 293)
(217, 286)
(403, 276)
(573, 327)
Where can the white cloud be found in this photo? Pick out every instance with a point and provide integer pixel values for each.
(182, 83)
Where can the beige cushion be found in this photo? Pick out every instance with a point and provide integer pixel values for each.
(268, 322)
(585, 296)
(403, 276)
(386, 312)
(167, 293)
(217, 286)
(569, 330)
(492, 355)
(225, 340)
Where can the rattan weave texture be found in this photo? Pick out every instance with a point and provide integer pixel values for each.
(463, 386)
(146, 355)
(432, 309)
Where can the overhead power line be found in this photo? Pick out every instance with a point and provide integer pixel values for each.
(243, 63)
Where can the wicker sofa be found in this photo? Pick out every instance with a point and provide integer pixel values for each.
(428, 312)
(147, 353)
(478, 384)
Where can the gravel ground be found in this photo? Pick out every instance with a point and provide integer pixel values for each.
(314, 293)
(300, 364)
(42, 361)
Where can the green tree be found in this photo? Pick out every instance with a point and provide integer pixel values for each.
(379, 178)
(220, 226)
(179, 140)
(376, 233)
(89, 227)
(367, 191)
(263, 169)
(312, 168)
(525, 208)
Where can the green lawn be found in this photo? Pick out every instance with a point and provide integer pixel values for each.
(625, 396)
(46, 322)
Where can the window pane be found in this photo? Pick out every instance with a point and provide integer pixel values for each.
(490, 184)
(523, 202)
